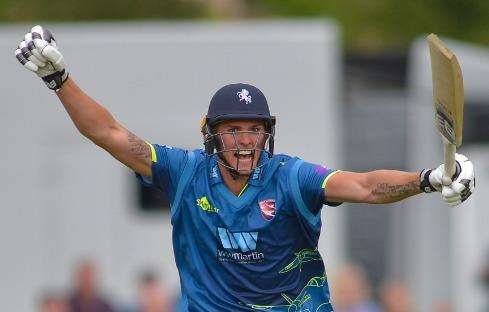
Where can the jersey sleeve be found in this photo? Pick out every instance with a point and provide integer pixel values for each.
(166, 169)
(312, 181)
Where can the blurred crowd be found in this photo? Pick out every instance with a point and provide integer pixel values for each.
(350, 290)
(86, 294)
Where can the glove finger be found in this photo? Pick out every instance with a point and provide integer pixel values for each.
(39, 32)
(23, 48)
(48, 36)
(54, 56)
(32, 47)
(46, 70)
(452, 199)
(28, 54)
(448, 192)
(37, 36)
(27, 64)
(456, 203)
(458, 187)
(39, 43)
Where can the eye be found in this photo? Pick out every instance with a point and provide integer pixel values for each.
(257, 129)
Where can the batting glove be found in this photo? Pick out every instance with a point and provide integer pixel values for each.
(463, 185)
(463, 181)
(39, 53)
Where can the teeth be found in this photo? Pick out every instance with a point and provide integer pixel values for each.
(244, 153)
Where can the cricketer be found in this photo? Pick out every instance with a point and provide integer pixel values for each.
(246, 221)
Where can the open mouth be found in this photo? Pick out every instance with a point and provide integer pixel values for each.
(244, 154)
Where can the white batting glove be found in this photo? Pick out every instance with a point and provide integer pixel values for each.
(39, 53)
(463, 185)
(463, 182)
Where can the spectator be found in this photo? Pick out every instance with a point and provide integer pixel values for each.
(153, 297)
(86, 296)
(351, 292)
(52, 302)
(396, 297)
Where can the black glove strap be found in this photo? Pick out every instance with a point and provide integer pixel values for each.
(55, 80)
(425, 185)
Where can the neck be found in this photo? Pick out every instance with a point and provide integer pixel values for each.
(234, 184)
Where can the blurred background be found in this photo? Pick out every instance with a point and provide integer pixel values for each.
(350, 83)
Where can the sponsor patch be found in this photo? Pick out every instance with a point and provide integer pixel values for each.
(238, 247)
(204, 204)
(267, 208)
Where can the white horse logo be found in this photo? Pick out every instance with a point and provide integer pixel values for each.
(244, 95)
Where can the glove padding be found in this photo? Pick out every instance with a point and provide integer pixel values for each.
(463, 182)
(38, 52)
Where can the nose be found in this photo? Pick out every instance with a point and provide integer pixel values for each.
(246, 139)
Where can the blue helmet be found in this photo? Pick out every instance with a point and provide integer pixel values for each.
(233, 102)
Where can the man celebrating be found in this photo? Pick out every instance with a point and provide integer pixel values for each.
(246, 222)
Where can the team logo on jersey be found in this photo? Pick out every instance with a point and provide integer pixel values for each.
(204, 204)
(244, 95)
(238, 247)
(267, 208)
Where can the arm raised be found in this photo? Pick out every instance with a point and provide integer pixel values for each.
(39, 53)
(97, 124)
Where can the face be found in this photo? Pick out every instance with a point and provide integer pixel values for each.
(241, 142)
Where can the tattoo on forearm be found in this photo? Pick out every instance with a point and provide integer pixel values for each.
(138, 147)
(396, 192)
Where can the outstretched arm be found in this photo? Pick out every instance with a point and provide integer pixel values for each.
(39, 53)
(388, 186)
(375, 187)
(97, 124)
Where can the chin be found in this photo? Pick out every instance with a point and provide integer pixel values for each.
(245, 172)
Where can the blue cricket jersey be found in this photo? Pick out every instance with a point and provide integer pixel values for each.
(252, 252)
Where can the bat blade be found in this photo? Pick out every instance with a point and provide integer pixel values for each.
(448, 91)
(448, 100)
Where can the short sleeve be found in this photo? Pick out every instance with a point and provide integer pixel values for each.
(312, 180)
(167, 166)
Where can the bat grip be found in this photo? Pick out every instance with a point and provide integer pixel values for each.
(449, 150)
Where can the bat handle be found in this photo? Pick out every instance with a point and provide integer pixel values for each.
(449, 150)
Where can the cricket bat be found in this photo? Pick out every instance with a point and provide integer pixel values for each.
(448, 99)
